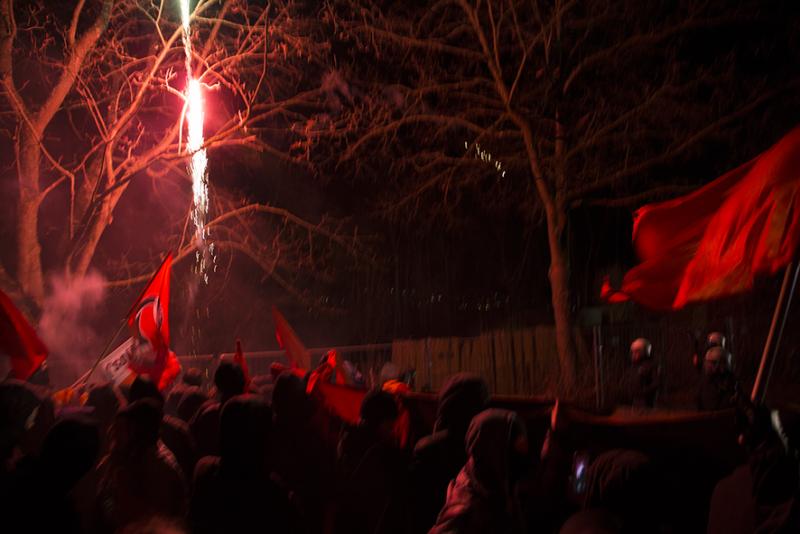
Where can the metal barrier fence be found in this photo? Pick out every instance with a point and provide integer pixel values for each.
(602, 365)
(366, 358)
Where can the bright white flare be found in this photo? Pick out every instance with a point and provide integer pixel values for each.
(185, 15)
(194, 145)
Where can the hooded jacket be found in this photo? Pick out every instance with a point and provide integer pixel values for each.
(481, 498)
(439, 457)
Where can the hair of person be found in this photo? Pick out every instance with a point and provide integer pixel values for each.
(229, 379)
(144, 388)
(378, 407)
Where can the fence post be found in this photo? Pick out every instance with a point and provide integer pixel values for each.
(428, 364)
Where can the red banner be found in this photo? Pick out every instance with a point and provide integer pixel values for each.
(714, 241)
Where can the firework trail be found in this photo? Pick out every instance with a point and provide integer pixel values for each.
(194, 145)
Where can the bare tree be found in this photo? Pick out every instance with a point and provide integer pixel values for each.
(539, 106)
(93, 98)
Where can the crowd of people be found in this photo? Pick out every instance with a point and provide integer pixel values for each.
(267, 455)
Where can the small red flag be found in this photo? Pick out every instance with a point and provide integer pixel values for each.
(714, 241)
(345, 402)
(296, 352)
(19, 341)
(239, 359)
(149, 321)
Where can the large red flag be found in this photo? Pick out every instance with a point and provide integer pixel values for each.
(149, 323)
(296, 352)
(714, 241)
(19, 341)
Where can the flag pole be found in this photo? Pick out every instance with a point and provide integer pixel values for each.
(85, 378)
(775, 331)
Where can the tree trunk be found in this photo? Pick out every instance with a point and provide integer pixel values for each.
(29, 251)
(559, 266)
(559, 287)
(559, 270)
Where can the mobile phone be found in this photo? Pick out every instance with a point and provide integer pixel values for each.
(580, 466)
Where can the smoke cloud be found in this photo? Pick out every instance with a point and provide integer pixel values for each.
(66, 325)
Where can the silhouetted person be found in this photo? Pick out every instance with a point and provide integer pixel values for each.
(137, 479)
(234, 492)
(174, 433)
(41, 500)
(229, 381)
(718, 387)
(482, 498)
(621, 491)
(191, 402)
(26, 415)
(439, 457)
(190, 379)
(105, 400)
(763, 495)
(373, 470)
(644, 375)
(714, 339)
(302, 460)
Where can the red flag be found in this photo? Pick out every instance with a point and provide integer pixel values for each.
(345, 402)
(238, 358)
(150, 312)
(714, 241)
(149, 323)
(19, 341)
(296, 352)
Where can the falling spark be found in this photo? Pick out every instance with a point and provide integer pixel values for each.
(487, 157)
(194, 145)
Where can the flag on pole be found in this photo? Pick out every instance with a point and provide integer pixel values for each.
(148, 320)
(19, 341)
(115, 367)
(713, 242)
(296, 352)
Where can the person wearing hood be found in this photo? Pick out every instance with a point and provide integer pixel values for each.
(483, 498)
(234, 492)
(439, 457)
(621, 496)
(763, 494)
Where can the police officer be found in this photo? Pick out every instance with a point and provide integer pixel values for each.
(644, 379)
(718, 386)
(714, 339)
